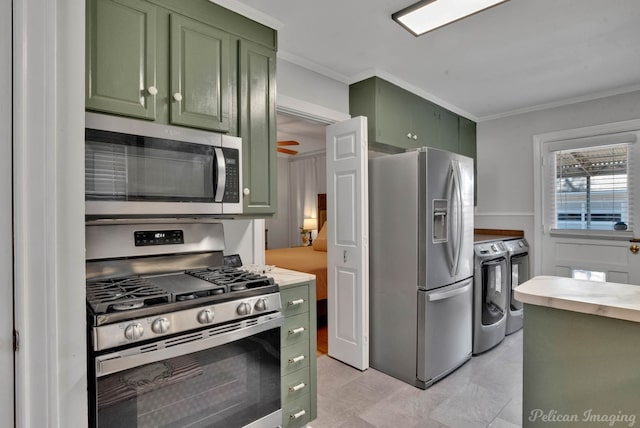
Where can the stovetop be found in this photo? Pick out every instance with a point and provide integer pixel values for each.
(152, 294)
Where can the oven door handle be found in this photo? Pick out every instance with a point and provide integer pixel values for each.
(120, 361)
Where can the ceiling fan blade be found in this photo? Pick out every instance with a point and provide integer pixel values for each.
(287, 151)
(288, 143)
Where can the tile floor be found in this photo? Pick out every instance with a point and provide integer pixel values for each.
(485, 392)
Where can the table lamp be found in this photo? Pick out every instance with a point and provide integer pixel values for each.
(309, 225)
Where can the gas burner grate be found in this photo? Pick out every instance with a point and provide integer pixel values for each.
(123, 294)
(232, 278)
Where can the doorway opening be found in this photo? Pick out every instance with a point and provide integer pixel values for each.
(303, 132)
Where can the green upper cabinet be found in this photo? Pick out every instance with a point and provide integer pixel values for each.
(258, 127)
(467, 147)
(399, 120)
(200, 95)
(120, 57)
(191, 63)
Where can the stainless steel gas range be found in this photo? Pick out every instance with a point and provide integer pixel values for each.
(178, 335)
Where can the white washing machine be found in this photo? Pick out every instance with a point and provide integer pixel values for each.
(518, 250)
(490, 295)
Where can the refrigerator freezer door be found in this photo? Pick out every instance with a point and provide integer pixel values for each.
(444, 330)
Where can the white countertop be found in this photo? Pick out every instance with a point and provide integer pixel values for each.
(284, 277)
(606, 299)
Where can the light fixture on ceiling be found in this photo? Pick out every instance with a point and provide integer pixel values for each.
(427, 15)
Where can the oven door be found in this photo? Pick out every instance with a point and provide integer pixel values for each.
(227, 376)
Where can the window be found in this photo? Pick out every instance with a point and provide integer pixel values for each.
(588, 183)
(591, 188)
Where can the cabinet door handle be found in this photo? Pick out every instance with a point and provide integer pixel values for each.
(298, 415)
(152, 90)
(177, 96)
(296, 359)
(296, 330)
(297, 387)
(295, 302)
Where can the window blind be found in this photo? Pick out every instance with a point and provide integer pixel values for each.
(589, 182)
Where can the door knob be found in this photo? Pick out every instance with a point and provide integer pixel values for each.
(177, 96)
(634, 248)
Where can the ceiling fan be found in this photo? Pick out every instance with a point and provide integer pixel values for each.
(281, 149)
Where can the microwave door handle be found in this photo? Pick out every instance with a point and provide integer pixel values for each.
(221, 172)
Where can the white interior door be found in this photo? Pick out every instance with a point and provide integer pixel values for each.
(6, 256)
(348, 242)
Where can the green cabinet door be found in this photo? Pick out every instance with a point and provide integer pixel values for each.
(425, 123)
(121, 62)
(200, 90)
(258, 127)
(393, 119)
(447, 130)
(467, 147)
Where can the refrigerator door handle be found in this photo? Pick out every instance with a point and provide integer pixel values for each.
(447, 294)
(451, 256)
(454, 193)
(459, 216)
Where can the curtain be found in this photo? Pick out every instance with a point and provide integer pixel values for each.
(303, 191)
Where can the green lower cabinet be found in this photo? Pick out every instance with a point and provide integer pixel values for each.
(298, 355)
(121, 58)
(579, 369)
(296, 412)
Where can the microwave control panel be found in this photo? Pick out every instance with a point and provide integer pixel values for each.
(232, 179)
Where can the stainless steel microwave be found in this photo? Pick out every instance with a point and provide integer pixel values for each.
(135, 168)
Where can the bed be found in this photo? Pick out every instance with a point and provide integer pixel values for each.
(309, 259)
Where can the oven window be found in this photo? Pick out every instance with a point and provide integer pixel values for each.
(230, 385)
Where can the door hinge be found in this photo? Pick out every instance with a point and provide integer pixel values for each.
(16, 341)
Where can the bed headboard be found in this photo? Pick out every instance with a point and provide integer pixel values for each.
(322, 209)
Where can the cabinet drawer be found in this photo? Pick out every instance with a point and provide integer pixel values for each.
(294, 386)
(295, 300)
(294, 358)
(295, 330)
(296, 413)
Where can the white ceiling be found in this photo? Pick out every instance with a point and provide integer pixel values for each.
(519, 56)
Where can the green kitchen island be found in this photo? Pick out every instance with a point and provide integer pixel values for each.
(581, 353)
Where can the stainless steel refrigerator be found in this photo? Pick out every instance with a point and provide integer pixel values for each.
(421, 264)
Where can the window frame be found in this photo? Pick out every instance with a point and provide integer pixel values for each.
(547, 148)
(626, 140)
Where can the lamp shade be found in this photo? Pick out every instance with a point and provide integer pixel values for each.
(310, 224)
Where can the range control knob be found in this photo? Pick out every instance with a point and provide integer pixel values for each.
(134, 331)
(244, 309)
(205, 316)
(262, 304)
(160, 326)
